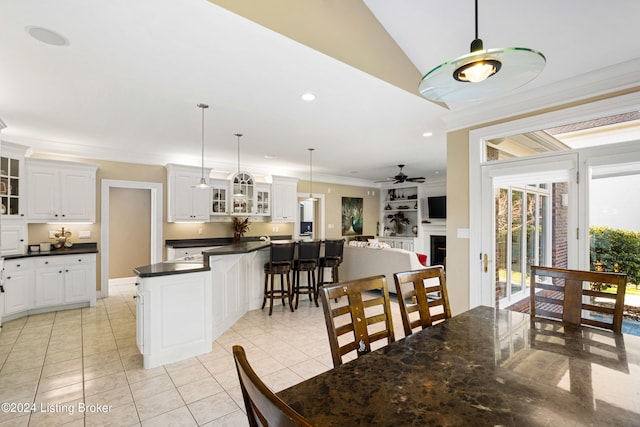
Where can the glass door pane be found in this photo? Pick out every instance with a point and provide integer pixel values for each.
(517, 240)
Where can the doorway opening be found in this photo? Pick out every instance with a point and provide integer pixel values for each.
(155, 242)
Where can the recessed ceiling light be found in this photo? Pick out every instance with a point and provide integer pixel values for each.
(427, 134)
(308, 96)
(47, 36)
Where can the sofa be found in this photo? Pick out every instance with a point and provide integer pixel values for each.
(365, 261)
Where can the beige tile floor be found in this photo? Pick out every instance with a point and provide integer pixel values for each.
(56, 363)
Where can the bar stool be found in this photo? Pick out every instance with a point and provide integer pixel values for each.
(308, 260)
(280, 263)
(332, 259)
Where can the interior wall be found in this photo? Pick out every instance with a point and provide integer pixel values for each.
(458, 217)
(129, 230)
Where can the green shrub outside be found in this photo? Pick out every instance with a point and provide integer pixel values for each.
(617, 251)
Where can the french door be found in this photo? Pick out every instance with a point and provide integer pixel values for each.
(529, 217)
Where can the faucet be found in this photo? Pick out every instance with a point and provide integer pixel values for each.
(265, 239)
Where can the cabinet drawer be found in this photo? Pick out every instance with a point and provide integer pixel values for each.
(51, 261)
(18, 265)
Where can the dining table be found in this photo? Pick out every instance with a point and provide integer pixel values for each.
(483, 367)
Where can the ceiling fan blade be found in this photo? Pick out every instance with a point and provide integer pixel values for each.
(417, 179)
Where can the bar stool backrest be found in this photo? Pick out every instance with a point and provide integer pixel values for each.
(309, 250)
(333, 249)
(282, 253)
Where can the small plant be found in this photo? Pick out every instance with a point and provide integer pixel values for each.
(240, 226)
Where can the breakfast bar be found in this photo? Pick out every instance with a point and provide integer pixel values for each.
(485, 367)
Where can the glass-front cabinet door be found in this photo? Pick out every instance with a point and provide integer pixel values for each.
(242, 193)
(10, 186)
(263, 199)
(219, 196)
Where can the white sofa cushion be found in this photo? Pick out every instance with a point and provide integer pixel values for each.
(359, 262)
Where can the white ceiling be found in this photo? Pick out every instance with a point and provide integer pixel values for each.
(127, 85)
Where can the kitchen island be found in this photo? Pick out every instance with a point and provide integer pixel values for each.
(185, 305)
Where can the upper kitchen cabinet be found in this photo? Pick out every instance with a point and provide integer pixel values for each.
(219, 196)
(263, 199)
(186, 202)
(243, 194)
(284, 199)
(11, 180)
(60, 191)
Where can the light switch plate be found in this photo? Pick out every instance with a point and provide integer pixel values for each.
(84, 234)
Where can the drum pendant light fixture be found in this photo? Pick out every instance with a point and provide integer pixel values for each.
(481, 73)
(239, 193)
(203, 181)
(311, 198)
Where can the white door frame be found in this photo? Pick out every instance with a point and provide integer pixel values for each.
(156, 225)
(594, 110)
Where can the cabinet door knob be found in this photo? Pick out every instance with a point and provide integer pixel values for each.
(46, 262)
(79, 259)
(18, 265)
(8, 277)
(66, 271)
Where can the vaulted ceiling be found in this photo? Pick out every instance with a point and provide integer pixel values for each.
(126, 85)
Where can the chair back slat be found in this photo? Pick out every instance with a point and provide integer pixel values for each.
(357, 314)
(423, 292)
(566, 295)
(263, 406)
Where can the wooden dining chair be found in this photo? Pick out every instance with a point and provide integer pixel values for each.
(567, 296)
(264, 407)
(359, 319)
(422, 297)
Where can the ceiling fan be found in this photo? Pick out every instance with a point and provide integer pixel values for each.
(403, 177)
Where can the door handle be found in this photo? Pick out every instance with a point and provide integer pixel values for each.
(485, 262)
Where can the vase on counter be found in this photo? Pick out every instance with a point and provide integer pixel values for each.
(237, 236)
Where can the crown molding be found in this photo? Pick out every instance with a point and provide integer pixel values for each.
(604, 81)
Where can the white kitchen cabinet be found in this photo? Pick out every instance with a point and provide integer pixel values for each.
(18, 286)
(13, 235)
(186, 202)
(173, 317)
(60, 191)
(284, 199)
(263, 199)
(11, 180)
(219, 197)
(65, 279)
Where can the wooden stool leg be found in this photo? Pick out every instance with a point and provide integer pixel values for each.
(266, 282)
(289, 292)
(271, 294)
(296, 286)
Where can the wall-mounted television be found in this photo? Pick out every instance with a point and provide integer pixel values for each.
(437, 207)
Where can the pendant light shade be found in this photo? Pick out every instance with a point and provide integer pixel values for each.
(239, 194)
(311, 198)
(481, 73)
(203, 181)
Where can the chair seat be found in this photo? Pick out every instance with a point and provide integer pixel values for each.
(329, 262)
(304, 265)
(277, 268)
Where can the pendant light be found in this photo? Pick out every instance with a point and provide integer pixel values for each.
(311, 198)
(203, 182)
(238, 179)
(481, 73)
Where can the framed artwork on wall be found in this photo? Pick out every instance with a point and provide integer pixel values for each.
(352, 216)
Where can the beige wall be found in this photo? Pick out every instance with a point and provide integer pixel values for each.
(129, 223)
(157, 174)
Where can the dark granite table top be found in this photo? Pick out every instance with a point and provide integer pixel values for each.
(485, 367)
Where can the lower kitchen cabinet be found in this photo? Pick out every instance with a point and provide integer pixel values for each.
(47, 283)
(64, 279)
(18, 286)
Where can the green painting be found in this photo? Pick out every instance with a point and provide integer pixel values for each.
(351, 216)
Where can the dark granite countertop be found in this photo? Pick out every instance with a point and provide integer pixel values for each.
(168, 268)
(215, 241)
(76, 249)
(485, 367)
(236, 248)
